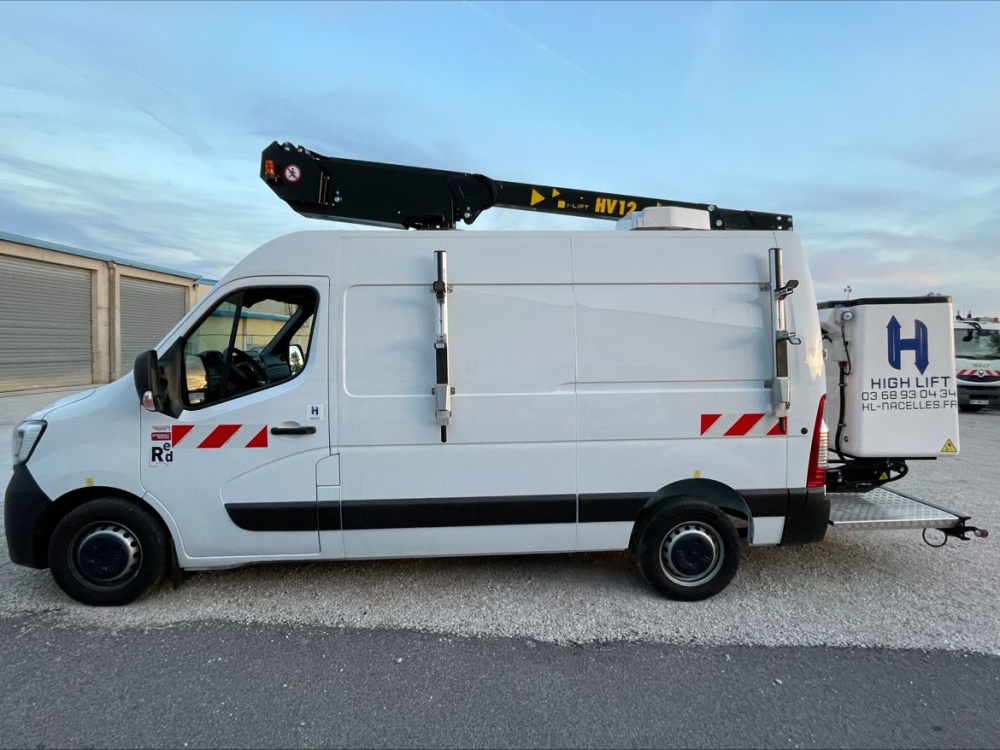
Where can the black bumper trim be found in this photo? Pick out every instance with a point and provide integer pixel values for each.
(808, 516)
(24, 506)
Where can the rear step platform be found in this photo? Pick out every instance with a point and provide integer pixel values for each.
(887, 509)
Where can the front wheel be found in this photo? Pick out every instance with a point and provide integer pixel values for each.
(108, 552)
(688, 550)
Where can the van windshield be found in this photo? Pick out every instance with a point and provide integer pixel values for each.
(973, 344)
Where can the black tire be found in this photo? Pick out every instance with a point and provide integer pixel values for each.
(688, 550)
(970, 408)
(109, 552)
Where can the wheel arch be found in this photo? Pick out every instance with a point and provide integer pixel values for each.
(61, 506)
(711, 491)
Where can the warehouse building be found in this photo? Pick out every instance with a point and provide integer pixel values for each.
(72, 317)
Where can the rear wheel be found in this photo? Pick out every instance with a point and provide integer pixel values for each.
(108, 552)
(688, 550)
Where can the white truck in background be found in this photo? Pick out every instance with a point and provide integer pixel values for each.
(664, 388)
(977, 362)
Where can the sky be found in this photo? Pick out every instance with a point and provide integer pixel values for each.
(135, 128)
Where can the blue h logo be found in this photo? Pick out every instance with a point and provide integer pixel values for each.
(918, 344)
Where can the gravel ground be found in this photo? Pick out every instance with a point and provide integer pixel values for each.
(857, 588)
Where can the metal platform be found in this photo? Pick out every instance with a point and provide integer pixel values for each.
(885, 509)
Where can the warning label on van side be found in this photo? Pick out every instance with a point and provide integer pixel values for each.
(168, 439)
(161, 453)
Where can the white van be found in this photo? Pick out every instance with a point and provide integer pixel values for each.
(977, 362)
(368, 394)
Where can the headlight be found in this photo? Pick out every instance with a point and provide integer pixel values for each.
(26, 437)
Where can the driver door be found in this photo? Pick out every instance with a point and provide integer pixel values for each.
(237, 467)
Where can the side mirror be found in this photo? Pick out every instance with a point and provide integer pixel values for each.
(296, 358)
(148, 386)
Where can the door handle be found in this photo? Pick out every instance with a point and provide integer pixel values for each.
(309, 430)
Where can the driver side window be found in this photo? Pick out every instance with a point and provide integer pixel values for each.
(253, 339)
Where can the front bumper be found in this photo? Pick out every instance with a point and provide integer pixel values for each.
(977, 394)
(24, 509)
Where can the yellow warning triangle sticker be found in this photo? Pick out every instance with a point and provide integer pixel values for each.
(536, 197)
(949, 447)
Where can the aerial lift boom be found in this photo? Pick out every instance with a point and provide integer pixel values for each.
(391, 195)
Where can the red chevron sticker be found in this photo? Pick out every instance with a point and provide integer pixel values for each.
(781, 428)
(178, 431)
(707, 420)
(752, 424)
(219, 436)
(743, 425)
(259, 440)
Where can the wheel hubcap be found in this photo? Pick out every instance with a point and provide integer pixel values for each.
(691, 554)
(107, 553)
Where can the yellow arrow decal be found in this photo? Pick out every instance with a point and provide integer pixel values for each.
(536, 197)
(554, 192)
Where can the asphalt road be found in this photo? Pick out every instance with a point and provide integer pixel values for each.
(869, 639)
(229, 685)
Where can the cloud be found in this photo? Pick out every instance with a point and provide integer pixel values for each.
(75, 51)
(543, 49)
(891, 226)
(348, 123)
(102, 147)
(202, 226)
(888, 263)
(975, 160)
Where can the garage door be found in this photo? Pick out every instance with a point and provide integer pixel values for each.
(148, 310)
(45, 325)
